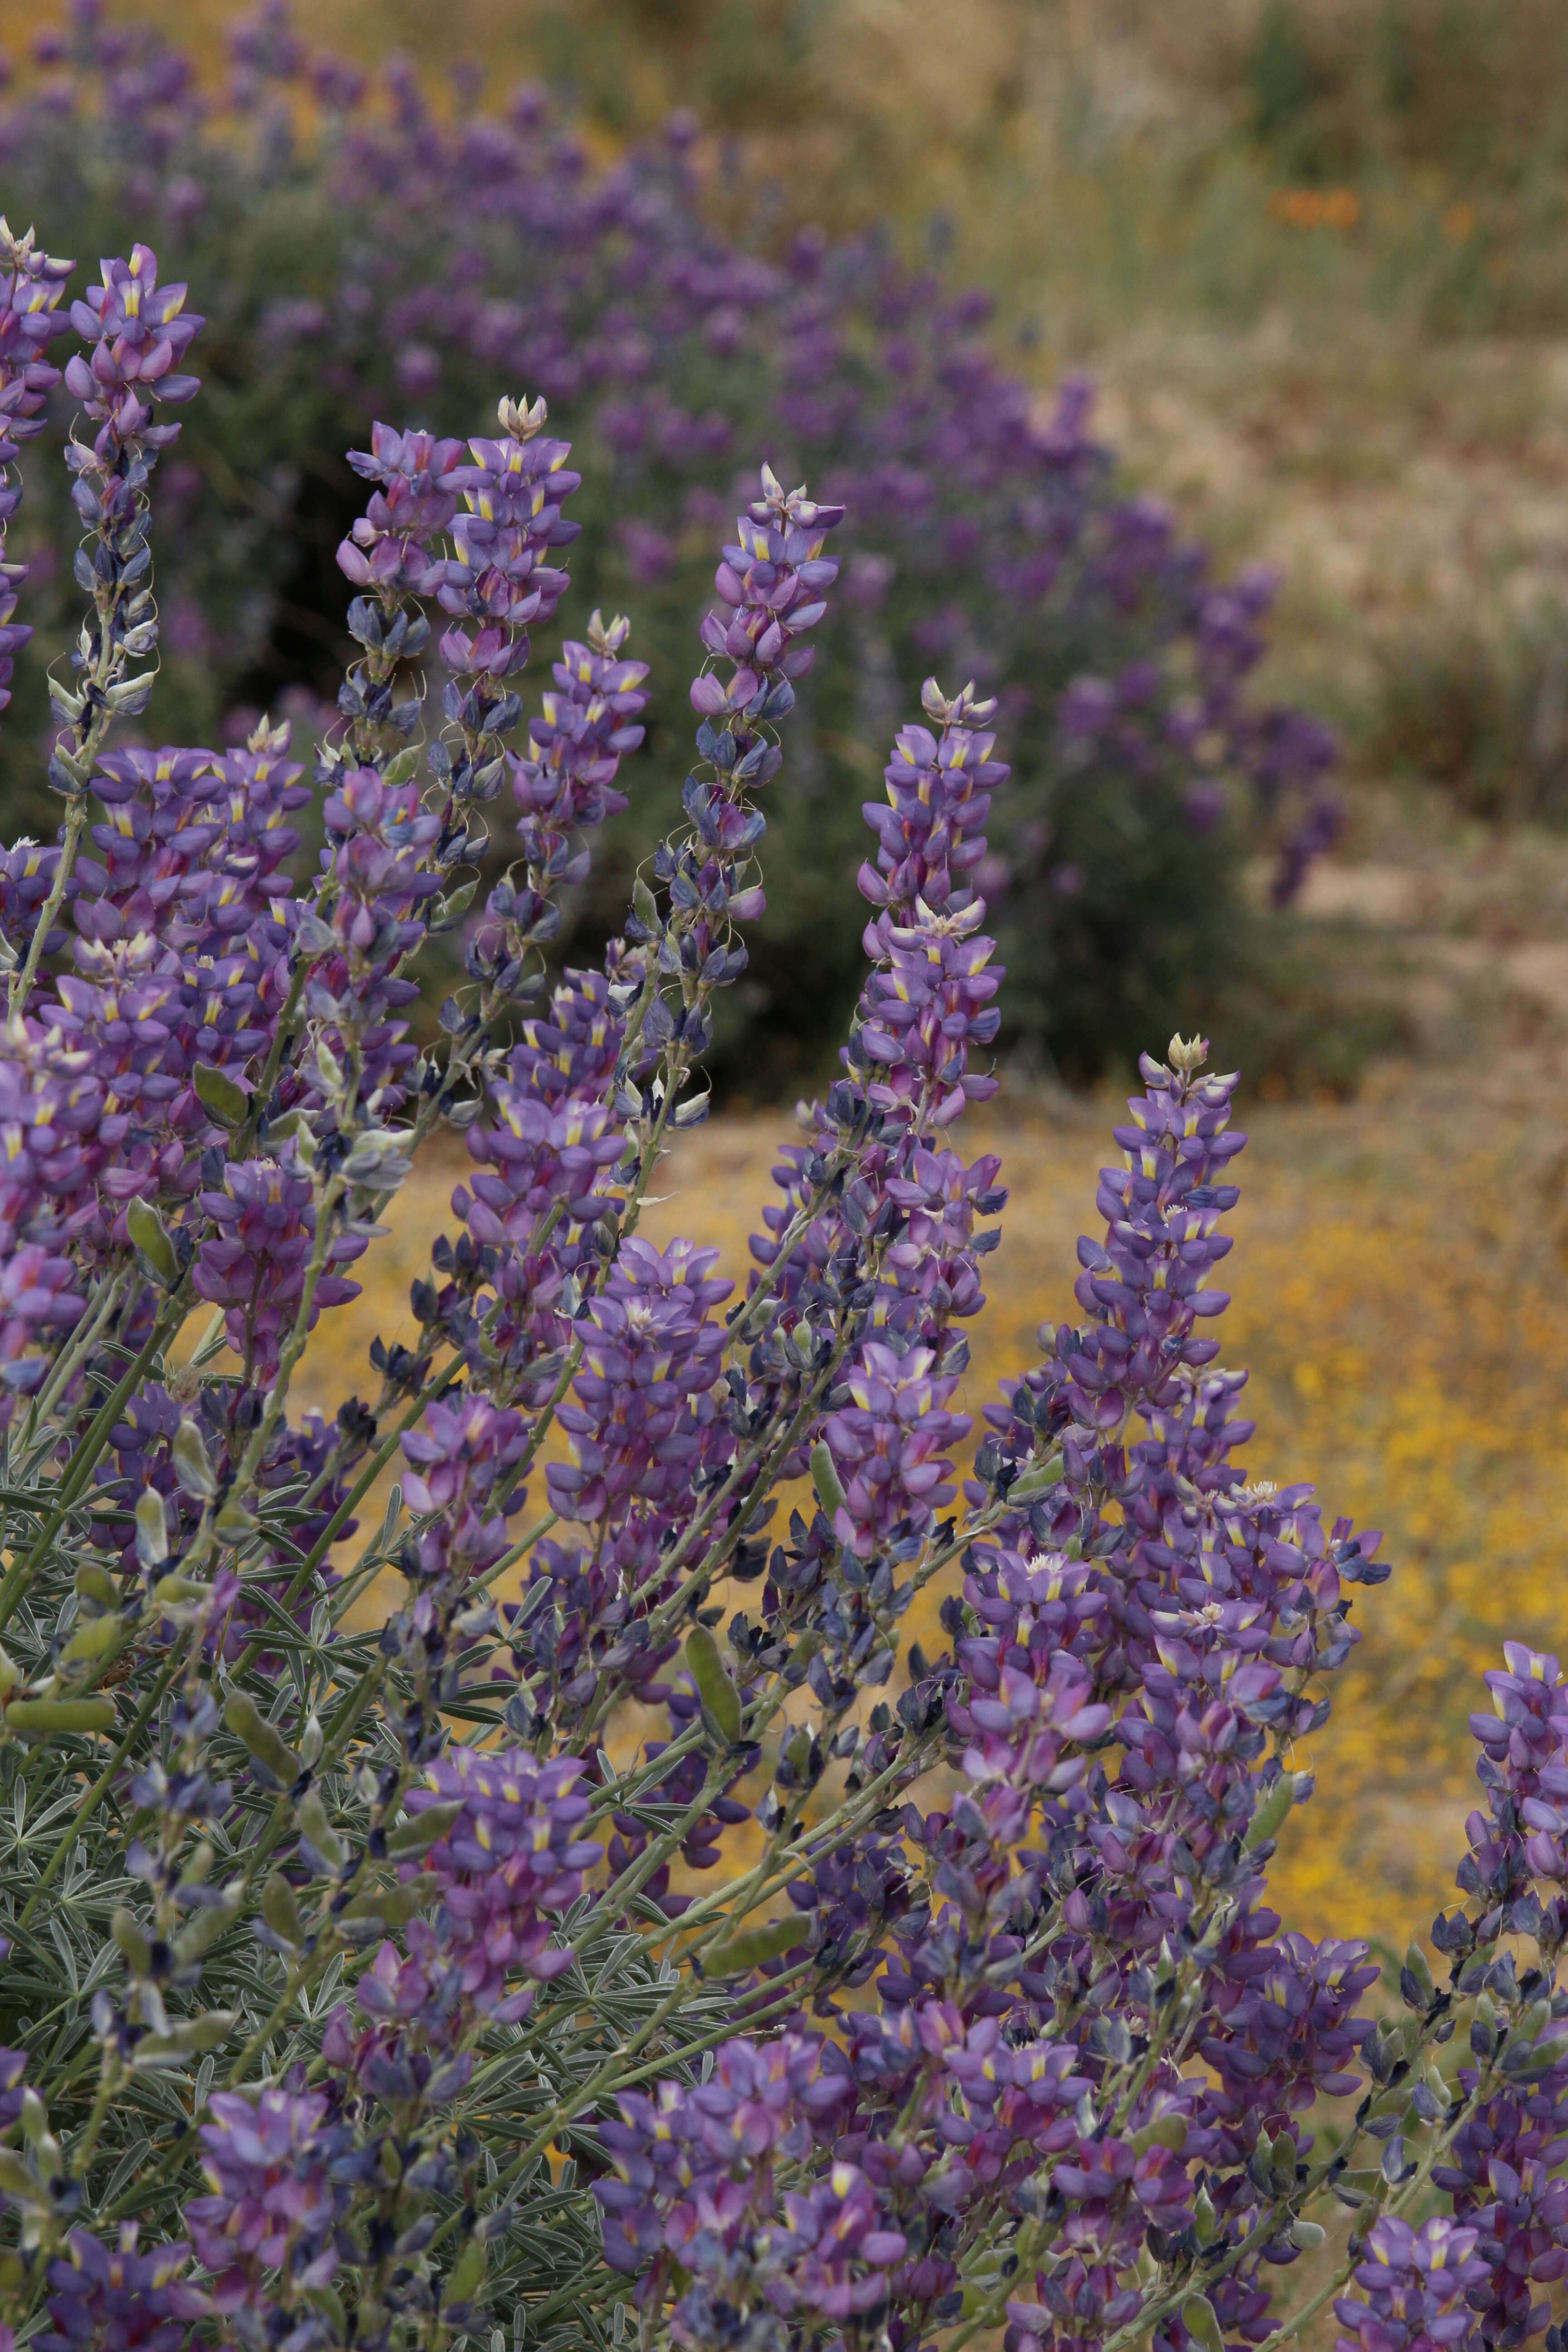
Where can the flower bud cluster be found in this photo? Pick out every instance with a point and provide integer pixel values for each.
(31, 286)
(563, 785)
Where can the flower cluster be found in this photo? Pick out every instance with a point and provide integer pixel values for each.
(513, 1856)
(1415, 2284)
(274, 2202)
(497, 580)
(424, 1906)
(261, 1265)
(33, 284)
(121, 2297)
(136, 331)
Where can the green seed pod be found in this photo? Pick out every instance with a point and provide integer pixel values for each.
(1036, 1478)
(415, 1835)
(40, 1716)
(1199, 2319)
(145, 1227)
(753, 1945)
(1534, 2023)
(191, 1466)
(825, 1478)
(280, 1911)
(173, 1589)
(1270, 1813)
(152, 1528)
(217, 1093)
(265, 1743)
(1416, 1961)
(93, 1638)
(327, 2299)
(132, 1941)
(206, 1925)
(17, 2182)
(1205, 2221)
(394, 1906)
(1166, 2131)
(714, 1688)
(95, 1583)
(206, 2033)
(468, 2273)
(319, 1830)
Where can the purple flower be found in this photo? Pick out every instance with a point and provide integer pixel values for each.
(31, 285)
(772, 581)
(269, 2162)
(641, 1402)
(135, 330)
(887, 1445)
(118, 2298)
(461, 1451)
(562, 785)
(930, 835)
(418, 479)
(1414, 2286)
(37, 1299)
(255, 1266)
(497, 579)
(513, 1856)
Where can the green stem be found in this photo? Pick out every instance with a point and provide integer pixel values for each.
(22, 980)
(100, 1788)
(84, 1459)
(83, 1339)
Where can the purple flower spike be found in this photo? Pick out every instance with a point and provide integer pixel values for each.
(649, 1356)
(512, 1857)
(419, 480)
(135, 330)
(773, 583)
(255, 1267)
(887, 1446)
(461, 1451)
(498, 583)
(31, 285)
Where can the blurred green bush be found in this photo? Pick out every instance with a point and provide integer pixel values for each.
(360, 252)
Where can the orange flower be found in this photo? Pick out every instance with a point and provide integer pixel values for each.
(1315, 207)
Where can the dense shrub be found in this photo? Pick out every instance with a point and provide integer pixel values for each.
(361, 1987)
(366, 258)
